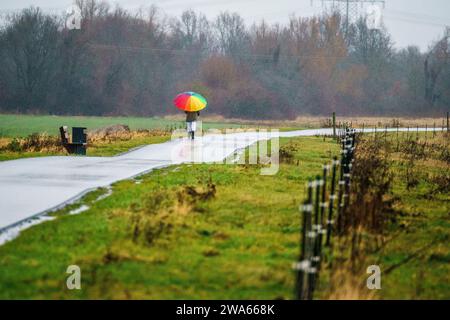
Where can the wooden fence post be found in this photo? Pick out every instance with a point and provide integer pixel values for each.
(448, 122)
(323, 205)
(397, 138)
(303, 265)
(314, 228)
(315, 259)
(331, 202)
(340, 193)
(334, 124)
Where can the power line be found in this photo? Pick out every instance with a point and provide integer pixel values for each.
(195, 52)
(414, 18)
(415, 21)
(417, 15)
(204, 3)
(349, 8)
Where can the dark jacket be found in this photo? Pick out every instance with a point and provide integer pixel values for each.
(191, 116)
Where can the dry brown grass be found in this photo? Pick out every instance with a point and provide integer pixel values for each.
(44, 143)
(162, 210)
(348, 276)
(357, 122)
(36, 142)
(321, 121)
(4, 142)
(124, 135)
(372, 210)
(309, 122)
(348, 286)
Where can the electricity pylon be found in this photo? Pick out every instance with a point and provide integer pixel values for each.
(349, 8)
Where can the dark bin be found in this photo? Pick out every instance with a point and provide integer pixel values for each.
(79, 135)
(79, 138)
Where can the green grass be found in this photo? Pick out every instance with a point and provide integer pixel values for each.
(23, 125)
(241, 244)
(238, 245)
(118, 147)
(6, 155)
(12, 126)
(417, 238)
(423, 224)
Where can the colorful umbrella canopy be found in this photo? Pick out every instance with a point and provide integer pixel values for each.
(190, 101)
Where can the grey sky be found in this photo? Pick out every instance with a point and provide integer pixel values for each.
(409, 21)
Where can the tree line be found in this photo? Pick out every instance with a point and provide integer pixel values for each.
(134, 63)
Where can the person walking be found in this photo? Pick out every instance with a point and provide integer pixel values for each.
(191, 123)
(191, 103)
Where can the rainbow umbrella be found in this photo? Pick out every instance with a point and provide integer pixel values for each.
(190, 101)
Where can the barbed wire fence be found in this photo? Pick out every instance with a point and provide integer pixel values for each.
(322, 214)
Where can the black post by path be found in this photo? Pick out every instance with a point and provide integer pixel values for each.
(331, 201)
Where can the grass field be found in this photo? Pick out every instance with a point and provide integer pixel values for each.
(220, 232)
(23, 125)
(171, 235)
(238, 244)
(417, 253)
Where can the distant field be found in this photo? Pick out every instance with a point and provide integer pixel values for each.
(23, 125)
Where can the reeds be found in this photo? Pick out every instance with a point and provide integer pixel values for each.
(36, 142)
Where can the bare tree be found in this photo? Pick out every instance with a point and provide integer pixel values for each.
(436, 61)
(231, 33)
(133, 63)
(30, 50)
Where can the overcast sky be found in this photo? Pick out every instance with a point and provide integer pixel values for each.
(409, 21)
